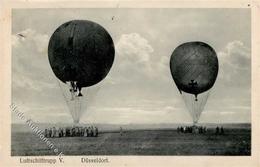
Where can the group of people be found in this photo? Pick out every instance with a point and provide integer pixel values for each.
(192, 129)
(219, 130)
(71, 132)
(199, 129)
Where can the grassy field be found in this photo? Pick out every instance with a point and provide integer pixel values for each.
(139, 142)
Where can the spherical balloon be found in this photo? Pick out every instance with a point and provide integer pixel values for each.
(81, 51)
(194, 67)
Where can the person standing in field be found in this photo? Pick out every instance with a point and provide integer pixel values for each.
(221, 130)
(85, 132)
(82, 131)
(96, 132)
(91, 131)
(121, 131)
(53, 132)
(204, 129)
(64, 132)
(45, 133)
(182, 130)
(56, 132)
(217, 130)
(50, 132)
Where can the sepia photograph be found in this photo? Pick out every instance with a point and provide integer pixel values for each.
(131, 81)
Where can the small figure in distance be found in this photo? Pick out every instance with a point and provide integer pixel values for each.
(217, 130)
(204, 129)
(50, 132)
(182, 129)
(121, 131)
(91, 131)
(221, 130)
(46, 133)
(96, 132)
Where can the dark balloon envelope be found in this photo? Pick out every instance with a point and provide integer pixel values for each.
(81, 51)
(194, 67)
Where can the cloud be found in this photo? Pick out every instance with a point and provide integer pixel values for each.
(136, 59)
(235, 64)
(134, 53)
(231, 99)
(28, 37)
(33, 81)
(134, 48)
(29, 60)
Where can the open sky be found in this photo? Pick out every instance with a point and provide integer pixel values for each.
(139, 87)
